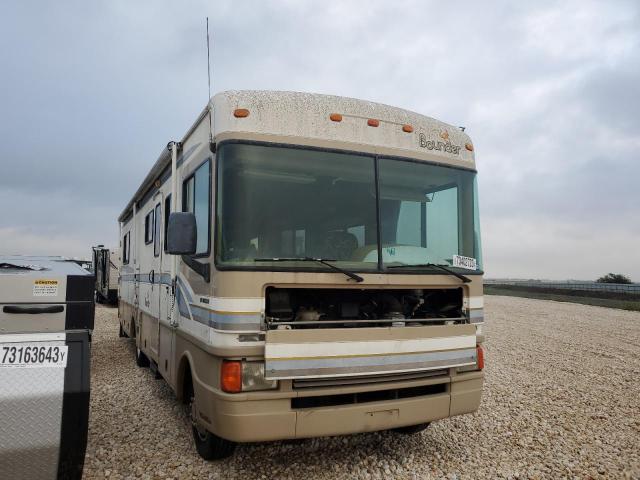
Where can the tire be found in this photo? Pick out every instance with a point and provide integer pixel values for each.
(411, 429)
(113, 297)
(208, 445)
(141, 359)
(121, 333)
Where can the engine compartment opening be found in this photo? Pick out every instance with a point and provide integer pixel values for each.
(337, 308)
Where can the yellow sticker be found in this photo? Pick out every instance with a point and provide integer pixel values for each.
(45, 288)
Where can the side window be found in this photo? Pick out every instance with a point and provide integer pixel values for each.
(156, 232)
(196, 198)
(125, 248)
(148, 228)
(187, 194)
(167, 211)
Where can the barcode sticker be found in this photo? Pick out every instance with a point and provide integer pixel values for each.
(465, 262)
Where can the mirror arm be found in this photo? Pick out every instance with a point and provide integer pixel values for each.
(202, 269)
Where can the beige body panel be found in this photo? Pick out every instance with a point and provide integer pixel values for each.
(253, 284)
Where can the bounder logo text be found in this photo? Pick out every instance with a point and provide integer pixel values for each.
(446, 146)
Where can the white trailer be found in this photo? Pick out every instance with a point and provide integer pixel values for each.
(106, 265)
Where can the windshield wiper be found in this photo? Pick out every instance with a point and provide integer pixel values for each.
(323, 261)
(444, 268)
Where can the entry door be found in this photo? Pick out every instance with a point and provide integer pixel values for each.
(166, 289)
(166, 331)
(155, 275)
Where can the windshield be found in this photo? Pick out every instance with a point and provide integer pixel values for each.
(428, 214)
(278, 202)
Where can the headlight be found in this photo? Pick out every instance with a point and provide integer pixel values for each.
(253, 377)
(237, 376)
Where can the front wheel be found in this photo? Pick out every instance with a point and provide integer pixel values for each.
(141, 359)
(208, 445)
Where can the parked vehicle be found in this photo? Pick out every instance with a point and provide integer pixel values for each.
(105, 267)
(46, 319)
(303, 265)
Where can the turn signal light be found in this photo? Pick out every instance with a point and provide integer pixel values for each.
(468, 146)
(407, 128)
(241, 113)
(231, 376)
(480, 355)
(335, 117)
(372, 122)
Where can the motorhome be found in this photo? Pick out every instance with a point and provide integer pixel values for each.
(105, 269)
(303, 265)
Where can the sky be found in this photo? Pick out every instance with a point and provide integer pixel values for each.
(548, 91)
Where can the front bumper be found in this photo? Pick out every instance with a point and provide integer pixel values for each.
(266, 416)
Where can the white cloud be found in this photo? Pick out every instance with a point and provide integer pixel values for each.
(547, 249)
(39, 241)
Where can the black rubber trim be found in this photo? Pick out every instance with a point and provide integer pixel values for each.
(80, 288)
(33, 310)
(75, 406)
(80, 315)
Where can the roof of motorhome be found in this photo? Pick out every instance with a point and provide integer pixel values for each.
(326, 121)
(338, 122)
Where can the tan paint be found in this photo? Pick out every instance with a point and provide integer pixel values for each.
(368, 334)
(255, 283)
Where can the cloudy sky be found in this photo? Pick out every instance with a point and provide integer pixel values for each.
(549, 92)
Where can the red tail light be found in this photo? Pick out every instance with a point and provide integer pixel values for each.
(480, 355)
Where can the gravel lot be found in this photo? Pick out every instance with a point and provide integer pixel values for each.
(562, 399)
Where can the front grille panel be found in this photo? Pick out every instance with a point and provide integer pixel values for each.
(366, 397)
(366, 379)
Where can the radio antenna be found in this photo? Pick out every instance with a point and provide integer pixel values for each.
(209, 85)
(208, 62)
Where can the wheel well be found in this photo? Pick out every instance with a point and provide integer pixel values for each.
(185, 380)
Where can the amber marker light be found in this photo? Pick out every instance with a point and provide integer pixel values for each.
(231, 376)
(372, 122)
(241, 113)
(407, 128)
(480, 355)
(468, 146)
(335, 117)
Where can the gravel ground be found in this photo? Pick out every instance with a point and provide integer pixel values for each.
(562, 399)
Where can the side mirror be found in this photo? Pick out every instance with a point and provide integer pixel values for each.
(182, 234)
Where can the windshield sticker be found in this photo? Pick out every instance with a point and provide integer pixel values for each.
(465, 262)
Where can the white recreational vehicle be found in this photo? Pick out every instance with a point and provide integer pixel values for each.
(303, 265)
